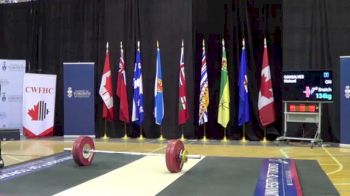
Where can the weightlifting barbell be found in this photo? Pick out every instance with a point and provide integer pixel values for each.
(83, 152)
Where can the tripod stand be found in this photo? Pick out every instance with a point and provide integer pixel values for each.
(2, 164)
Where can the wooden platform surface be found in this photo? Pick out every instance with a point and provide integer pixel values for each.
(335, 161)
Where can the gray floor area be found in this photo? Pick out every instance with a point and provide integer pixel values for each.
(211, 176)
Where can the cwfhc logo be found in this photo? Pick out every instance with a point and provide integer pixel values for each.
(39, 112)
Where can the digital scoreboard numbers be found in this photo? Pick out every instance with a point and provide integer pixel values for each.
(307, 86)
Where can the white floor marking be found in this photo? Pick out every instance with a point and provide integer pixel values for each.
(145, 176)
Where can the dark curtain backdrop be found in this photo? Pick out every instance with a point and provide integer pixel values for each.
(315, 34)
(16, 31)
(48, 33)
(233, 20)
(169, 22)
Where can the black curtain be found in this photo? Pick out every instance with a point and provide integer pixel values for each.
(169, 22)
(233, 20)
(315, 34)
(66, 31)
(16, 31)
(60, 31)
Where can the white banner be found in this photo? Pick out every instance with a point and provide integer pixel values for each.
(39, 91)
(11, 85)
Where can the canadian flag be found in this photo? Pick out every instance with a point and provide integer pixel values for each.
(106, 92)
(266, 101)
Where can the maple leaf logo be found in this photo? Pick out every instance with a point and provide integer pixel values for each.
(266, 90)
(33, 113)
(38, 112)
(108, 84)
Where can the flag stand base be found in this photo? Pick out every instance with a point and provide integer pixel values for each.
(105, 137)
(141, 137)
(264, 140)
(125, 137)
(183, 137)
(161, 138)
(224, 139)
(244, 140)
(204, 139)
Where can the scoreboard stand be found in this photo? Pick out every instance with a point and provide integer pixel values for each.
(303, 112)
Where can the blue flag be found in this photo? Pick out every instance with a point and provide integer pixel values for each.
(137, 103)
(243, 114)
(158, 92)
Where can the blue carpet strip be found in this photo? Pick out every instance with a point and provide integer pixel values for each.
(278, 177)
(33, 166)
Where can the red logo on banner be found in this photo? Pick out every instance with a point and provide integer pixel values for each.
(39, 111)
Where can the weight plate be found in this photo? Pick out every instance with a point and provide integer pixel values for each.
(173, 157)
(82, 151)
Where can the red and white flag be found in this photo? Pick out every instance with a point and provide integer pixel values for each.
(121, 89)
(266, 101)
(183, 108)
(106, 90)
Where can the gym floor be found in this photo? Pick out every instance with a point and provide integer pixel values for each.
(334, 161)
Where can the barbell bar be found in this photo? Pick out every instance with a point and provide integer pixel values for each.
(83, 153)
(176, 155)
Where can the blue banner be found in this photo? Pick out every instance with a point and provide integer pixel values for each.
(12, 172)
(278, 177)
(79, 101)
(344, 100)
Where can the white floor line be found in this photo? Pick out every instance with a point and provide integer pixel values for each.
(342, 184)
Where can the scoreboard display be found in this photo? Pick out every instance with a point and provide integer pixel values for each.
(307, 86)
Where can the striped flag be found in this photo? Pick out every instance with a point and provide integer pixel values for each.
(204, 91)
(224, 104)
(137, 104)
(243, 110)
(121, 89)
(158, 91)
(183, 115)
(106, 91)
(266, 101)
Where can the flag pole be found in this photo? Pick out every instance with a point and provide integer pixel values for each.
(225, 138)
(141, 136)
(264, 140)
(161, 138)
(244, 139)
(125, 133)
(182, 133)
(105, 131)
(204, 135)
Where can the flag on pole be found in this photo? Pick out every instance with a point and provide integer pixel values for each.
(204, 91)
(121, 89)
(224, 103)
(266, 101)
(158, 91)
(106, 91)
(183, 111)
(243, 112)
(137, 103)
